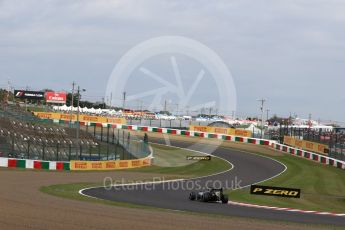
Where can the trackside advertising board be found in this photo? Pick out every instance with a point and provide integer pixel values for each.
(55, 97)
(109, 165)
(198, 158)
(221, 130)
(275, 191)
(306, 145)
(24, 94)
(82, 118)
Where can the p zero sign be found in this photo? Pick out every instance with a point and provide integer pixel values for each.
(53, 97)
(275, 191)
(199, 158)
(24, 94)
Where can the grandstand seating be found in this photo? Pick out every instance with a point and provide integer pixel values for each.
(22, 135)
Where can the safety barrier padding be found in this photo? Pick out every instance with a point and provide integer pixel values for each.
(33, 164)
(310, 156)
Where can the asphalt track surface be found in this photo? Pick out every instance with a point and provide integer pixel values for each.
(248, 168)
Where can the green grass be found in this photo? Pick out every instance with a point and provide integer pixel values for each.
(71, 191)
(323, 187)
(170, 160)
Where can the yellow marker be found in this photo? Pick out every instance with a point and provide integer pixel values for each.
(257, 190)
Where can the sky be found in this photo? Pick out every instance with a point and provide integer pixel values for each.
(290, 53)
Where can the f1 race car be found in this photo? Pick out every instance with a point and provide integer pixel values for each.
(210, 195)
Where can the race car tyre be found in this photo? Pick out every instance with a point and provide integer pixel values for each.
(192, 196)
(224, 199)
(205, 197)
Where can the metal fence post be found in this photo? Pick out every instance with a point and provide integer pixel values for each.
(99, 151)
(69, 152)
(113, 136)
(43, 151)
(107, 151)
(28, 153)
(115, 153)
(102, 133)
(117, 148)
(12, 146)
(108, 134)
(57, 151)
(80, 152)
(128, 139)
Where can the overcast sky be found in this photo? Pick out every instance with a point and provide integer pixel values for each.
(290, 52)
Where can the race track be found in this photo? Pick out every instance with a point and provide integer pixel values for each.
(248, 168)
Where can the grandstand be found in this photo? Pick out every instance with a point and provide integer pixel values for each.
(23, 135)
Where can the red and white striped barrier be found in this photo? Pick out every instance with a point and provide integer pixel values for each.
(33, 164)
(309, 155)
